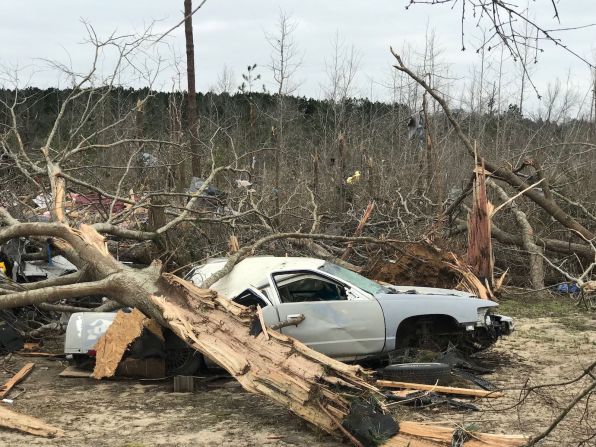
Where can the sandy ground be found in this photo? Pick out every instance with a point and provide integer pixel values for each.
(135, 413)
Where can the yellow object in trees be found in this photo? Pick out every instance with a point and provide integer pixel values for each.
(354, 178)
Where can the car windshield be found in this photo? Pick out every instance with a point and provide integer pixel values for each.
(353, 278)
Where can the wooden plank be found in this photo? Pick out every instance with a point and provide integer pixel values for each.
(401, 440)
(39, 354)
(440, 389)
(27, 424)
(184, 384)
(443, 435)
(73, 371)
(18, 377)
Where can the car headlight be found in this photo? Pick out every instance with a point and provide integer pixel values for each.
(484, 316)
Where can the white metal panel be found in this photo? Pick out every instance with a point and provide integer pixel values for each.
(347, 328)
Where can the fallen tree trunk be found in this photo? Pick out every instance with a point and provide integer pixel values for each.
(553, 245)
(327, 393)
(310, 384)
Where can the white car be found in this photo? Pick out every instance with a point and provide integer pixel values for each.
(339, 312)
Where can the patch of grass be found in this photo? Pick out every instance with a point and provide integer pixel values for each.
(563, 309)
(532, 307)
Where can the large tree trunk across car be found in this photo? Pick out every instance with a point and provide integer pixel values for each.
(308, 383)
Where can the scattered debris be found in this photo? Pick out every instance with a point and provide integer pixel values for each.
(17, 378)
(27, 424)
(10, 339)
(440, 389)
(410, 432)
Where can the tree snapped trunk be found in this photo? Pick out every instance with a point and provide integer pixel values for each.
(480, 251)
(192, 92)
(308, 383)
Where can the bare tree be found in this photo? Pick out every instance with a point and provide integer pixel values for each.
(284, 63)
(191, 101)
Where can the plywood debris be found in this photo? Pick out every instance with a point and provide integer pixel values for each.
(27, 424)
(73, 371)
(18, 377)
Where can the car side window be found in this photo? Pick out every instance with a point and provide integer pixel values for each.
(249, 298)
(309, 288)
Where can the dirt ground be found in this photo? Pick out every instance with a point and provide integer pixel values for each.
(552, 343)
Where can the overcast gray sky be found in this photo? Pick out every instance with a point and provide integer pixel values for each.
(232, 33)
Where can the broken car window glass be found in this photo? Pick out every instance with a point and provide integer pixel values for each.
(353, 278)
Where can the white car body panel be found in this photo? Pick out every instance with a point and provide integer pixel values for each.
(84, 329)
(340, 329)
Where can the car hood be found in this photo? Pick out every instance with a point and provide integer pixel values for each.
(462, 306)
(416, 290)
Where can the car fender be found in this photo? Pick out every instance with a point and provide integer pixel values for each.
(398, 307)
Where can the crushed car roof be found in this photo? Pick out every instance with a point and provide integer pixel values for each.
(251, 272)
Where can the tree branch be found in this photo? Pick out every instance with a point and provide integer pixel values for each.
(55, 293)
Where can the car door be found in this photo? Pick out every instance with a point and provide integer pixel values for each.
(337, 321)
(253, 297)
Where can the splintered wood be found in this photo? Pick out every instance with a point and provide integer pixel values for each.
(480, 251)
(280, 367)
(439, 389)
(110, 348)
(18, 377)
(27, 424)
(415, 434)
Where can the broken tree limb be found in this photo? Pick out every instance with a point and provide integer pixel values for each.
(527, 233)
(27, 424)
(110, 348)
(18, 377)
(557, 246)
(444, 436)
(361, 224)
(439, 389)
